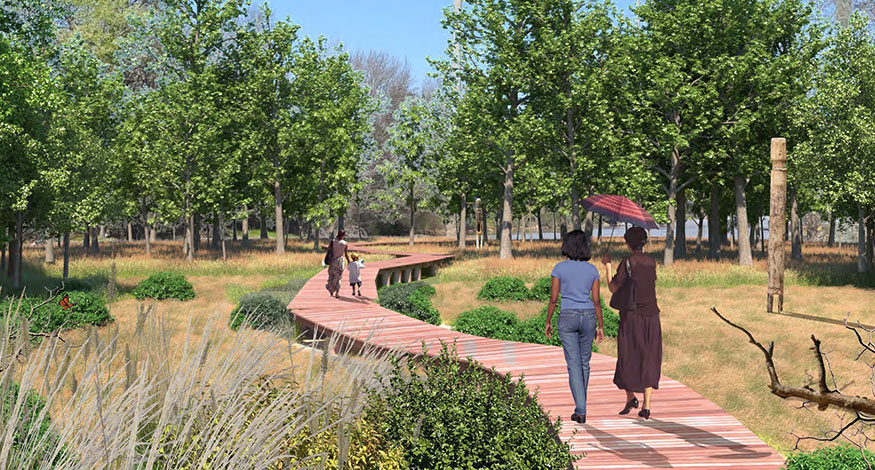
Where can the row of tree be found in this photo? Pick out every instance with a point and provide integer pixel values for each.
(548, 101)
(177, 112)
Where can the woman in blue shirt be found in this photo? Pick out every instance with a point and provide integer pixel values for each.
(578, 283)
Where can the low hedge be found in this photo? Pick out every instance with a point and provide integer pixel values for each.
(412, 299)
(489, 322)
(259, 310)
(165, 285)
(541, 289)
(492, 322)
(444, 415)
(504, 288)
(844, 457)
(87, 309)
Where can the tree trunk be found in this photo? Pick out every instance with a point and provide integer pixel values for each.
(95, 246)
(762, 235)
(86, 239)
(862, 262)
(599, 239)
(188, 238)
(587, 225)
(699, 237)
(731, 230)
(215, 230)
(130, 232)
(463, 220)
(19, 247)
(222, 235)
(505, 247)
(575, 207)
(832, 230)
(745, 255)
(540, 227)
(795, 227)
(154, 233)
(263, 229)
(234, 230)
(412, 203)
(714, 240)
(244, 226)
(498, 228)
(341, 221)
(196, 232)
(485, 229)
(66, 254)
(278, 216)
(10, 267)
(673, 183)
(148, 237)
(50, 250)
(680, 242)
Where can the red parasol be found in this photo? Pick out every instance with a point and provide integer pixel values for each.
(619, 208)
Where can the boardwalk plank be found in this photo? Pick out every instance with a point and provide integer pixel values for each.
(687, 430)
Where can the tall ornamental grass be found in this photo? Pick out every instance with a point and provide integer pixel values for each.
(215, 399)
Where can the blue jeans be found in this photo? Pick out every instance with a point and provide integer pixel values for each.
(577, 331)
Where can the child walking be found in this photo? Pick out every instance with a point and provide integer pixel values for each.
(355, 274)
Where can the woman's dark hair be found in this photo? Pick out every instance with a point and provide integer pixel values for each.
(575, 245)
(636, 237)
(341, 234)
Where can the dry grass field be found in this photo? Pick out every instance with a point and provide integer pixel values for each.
(699, 349)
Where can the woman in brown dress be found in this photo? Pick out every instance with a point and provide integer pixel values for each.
(639, 339)
(338, 249)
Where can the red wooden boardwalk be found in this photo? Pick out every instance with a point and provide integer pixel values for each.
(686, 430)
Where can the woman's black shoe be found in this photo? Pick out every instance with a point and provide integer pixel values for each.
(578, 418)
(644, 413)
(633, 403)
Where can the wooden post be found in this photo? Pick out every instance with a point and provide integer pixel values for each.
(777, 223)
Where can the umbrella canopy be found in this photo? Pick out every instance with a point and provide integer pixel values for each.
(619, 208)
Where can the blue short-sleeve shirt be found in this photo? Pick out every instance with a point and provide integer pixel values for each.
(575, 283)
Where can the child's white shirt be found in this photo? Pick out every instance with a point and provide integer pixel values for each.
(355, 273)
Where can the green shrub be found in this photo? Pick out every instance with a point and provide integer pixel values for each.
(165, 285)
(843, 457)
(610, 319)
(259, 310)
(444, 415)
(87, 309)
(412, 299)
(541, 289)
(489, 322)
(504, 288)
(492, 322)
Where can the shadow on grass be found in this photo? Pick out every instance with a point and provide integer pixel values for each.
(36, 282)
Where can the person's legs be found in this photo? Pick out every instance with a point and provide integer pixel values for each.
(569, 333)
(648, 393)
(352, 285)
(585, 338)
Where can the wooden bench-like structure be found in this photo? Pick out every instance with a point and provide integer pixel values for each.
(686, 431)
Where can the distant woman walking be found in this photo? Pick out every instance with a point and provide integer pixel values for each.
(578, 282)
(336, 253)
(639, 338)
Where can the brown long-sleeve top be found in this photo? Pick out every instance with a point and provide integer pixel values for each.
(644, 274)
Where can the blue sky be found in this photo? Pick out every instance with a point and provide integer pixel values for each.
(409, 29)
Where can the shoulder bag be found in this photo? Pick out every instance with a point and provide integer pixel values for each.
(624, 298)
(329, 255)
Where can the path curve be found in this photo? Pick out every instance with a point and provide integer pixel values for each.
(687, 431)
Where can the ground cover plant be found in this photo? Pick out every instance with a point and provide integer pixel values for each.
(504, 288)
(842, 457)
(260, 310)
(163, 286)
(412, 299)
(47, 315)
(445, 415)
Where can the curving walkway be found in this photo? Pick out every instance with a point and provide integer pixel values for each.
(687, 431)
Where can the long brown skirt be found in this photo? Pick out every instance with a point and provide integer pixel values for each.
(639, 352)
(335, 272)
